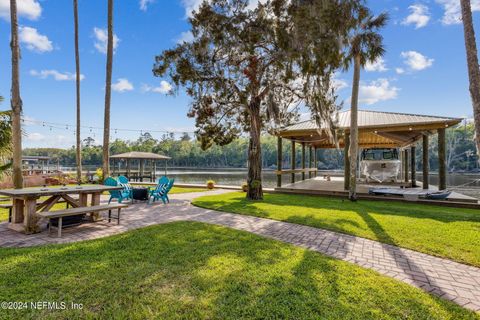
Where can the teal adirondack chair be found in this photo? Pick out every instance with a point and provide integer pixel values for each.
(116, 194)
(127, 187)
(161, 190)
(170, 185)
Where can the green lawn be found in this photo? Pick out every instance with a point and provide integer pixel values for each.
(189, 270)
(447, 232)
(186, 190)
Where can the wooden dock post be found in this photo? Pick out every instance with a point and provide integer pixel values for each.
(425, 164)
(413, 166)
(405, 164)
(442, 166)
(279, 161)
(346, 170)
(303, 160)
(293, 162)
(310, 161)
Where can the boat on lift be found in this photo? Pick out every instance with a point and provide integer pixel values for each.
(380, 165)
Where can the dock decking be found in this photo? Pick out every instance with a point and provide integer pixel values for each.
(335, 187)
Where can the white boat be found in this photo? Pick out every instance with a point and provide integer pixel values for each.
(380, 165)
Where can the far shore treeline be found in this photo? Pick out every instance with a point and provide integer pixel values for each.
(186, 152)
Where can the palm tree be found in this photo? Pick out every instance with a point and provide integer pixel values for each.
(473, 68)
(5, 141)
(16, 101)
(365, 44)
(108, 93)
(77, 68)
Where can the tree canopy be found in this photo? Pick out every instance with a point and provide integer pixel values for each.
(249, 70)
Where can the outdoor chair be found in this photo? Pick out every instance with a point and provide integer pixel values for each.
(170, 185)
(126, 185)
(161, 190)
(116, 194)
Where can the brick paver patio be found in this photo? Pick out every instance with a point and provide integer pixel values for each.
(447, 279)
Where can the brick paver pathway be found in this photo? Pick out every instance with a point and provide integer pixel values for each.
(447, 279)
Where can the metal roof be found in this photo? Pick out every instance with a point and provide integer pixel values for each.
(35, 158)
(376, 119)
(377, 129)
(140, 155)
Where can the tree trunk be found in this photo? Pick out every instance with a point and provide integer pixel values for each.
(255, 191)
(473, 68)
(352, 194)
(108, 94)
(16, 101)
(77, 68)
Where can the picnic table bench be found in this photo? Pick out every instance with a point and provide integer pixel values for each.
(9, 206)
(80, 210)
(26, 206)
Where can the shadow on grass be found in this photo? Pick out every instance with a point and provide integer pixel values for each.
(193, 270)
(417, 211)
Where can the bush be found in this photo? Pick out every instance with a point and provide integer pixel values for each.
(210, 184)
(245, 187)
(98, 177)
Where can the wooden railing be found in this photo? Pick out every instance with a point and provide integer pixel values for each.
(290, 171)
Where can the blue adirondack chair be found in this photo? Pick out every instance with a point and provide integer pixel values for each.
(116, 194)
(127, 187)
(170, 185)
(160, 192)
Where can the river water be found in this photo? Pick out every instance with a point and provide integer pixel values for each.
(468, 184)
(465, 183)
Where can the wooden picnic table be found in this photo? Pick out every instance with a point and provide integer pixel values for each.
(25, 206)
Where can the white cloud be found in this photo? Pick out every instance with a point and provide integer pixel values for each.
(190, 6)
(185, 36)
(338, 84)
(101, 39)
(29, 9)
(34, 40)
(378, 65)
(144, 4)
(453, 10)
(375, 91)
(193, 5)
(164, 88)
(416, 61)
(122, 85)
(58, 76)
(399, 70)
(48, 139)
(35, 137)
(419, 16)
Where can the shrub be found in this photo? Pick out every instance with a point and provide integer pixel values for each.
(245, 187)
(210, 184)
(98, 177)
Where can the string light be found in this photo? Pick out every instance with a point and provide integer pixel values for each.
(66, 126)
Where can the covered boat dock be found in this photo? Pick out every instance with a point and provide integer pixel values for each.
(138, 166)
(377, 129)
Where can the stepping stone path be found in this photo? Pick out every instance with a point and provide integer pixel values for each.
(450, 280)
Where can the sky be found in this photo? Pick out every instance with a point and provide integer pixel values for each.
(423, 71)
